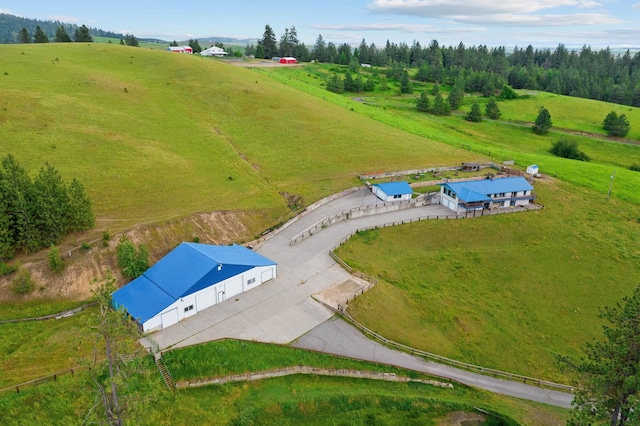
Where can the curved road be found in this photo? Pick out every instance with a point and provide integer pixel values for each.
(283, 310)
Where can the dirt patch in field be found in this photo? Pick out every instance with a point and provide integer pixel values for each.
(462, 418)
(82, 266)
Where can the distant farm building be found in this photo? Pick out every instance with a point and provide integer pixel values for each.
(192, 277)
(392, 191)
(180, 49)
(214, 51)
(471, 167)
(486, 194)
(288, 60)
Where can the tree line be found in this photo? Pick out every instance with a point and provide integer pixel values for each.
(584, 73)
(37, 213)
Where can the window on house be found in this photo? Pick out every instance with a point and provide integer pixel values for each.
(397, 196)
(251, 281)
(188, 308)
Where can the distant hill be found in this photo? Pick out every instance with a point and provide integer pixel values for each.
(10, 26)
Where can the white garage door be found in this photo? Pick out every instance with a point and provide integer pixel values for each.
(267, 275)
(233, 286)
(206, 298)
(170, 318)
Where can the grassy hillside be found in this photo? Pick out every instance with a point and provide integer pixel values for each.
(154, 135)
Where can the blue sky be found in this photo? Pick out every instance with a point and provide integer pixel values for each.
(541, 23)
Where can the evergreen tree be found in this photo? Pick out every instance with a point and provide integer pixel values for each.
(369, 85)
(455, 98)
(475, 115)
(320, 50)
(423, 104)
(195, 45)
(40, 36)
(440, 107)
(349, 85)
(80, 213)
(173, 44)
(492, 110)
(335, 84)
(259, 51)
(132, 261)
(7, 244)
(543, 122)
(17, 187)
(405, 83)
(61, 35)
(354, 64)
(82, 34)
(23, 36)
(610, 371)
(130, 40)
(269, 43)
(616, 125)
(51, 206)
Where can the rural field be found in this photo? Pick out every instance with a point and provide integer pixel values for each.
(156, 138)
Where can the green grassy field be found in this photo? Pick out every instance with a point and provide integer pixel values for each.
(154, 136)
(288, 400)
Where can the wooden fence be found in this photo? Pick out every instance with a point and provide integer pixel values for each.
(40, 380)
(453, 363)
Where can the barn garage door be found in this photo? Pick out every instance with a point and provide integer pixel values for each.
(170, 318)
(233, 286)
(206, 298)
(267, 275)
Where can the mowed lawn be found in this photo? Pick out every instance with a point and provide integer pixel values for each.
(507, 292)
(154, 135)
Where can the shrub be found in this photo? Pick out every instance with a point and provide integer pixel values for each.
(635, 167)
(6, 268)
(55, 261)
(616, 125)
(23, 283)
(105, 239)
(568, 149)
(85, 247)
(132, 261)
(508, 92)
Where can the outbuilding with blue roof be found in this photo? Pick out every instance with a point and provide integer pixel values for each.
(192, 277)
(392, 191)
(487, 193)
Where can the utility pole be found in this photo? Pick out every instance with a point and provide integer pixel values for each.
(613, 175)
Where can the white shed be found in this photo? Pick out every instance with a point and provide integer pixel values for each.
(392, 191)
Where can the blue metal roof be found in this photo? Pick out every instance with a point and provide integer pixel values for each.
(395, 188)
(186, 269)
(479, 190)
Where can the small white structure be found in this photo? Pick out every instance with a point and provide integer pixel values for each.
(532, 169)
(392, 191)
(192, 277)
(214, 51)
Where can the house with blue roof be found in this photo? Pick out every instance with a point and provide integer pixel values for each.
(490, 193)
(392, 191)
(191, 278)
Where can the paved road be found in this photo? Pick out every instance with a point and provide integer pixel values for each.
(282, 310)
(337, 337)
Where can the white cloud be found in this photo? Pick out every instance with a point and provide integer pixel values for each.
(507, 12)
(409, 28)
(7, 11)
(65, 19)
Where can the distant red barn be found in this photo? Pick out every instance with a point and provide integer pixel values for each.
(288, 60)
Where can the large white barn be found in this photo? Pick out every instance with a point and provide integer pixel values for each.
(192, 277)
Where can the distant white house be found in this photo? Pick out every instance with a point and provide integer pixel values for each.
(214, 51)
(392, 191)
(180, 49)
(486, 194)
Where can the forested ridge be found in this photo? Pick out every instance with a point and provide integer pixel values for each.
(11, 26)
(586, 73)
